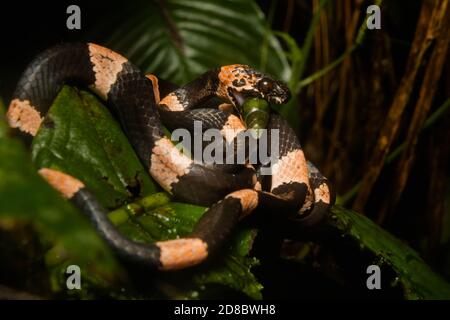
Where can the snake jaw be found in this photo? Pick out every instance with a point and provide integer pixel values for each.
(280, 94)
(238, 98)
(237, 83)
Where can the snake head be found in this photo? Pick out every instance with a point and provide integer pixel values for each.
(272, 90)
(239, 82)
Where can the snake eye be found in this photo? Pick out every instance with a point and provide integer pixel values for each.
(265, 86)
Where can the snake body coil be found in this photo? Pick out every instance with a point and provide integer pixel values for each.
(142, 103)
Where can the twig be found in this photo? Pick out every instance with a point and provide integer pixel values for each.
(299, 68)
(267, 34)
(343, 100)
(439, 29)
(437, 115)
(419, 48)
(173, 29)
(289, 14)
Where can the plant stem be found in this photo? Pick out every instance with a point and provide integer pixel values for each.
(316, 75)
(347, 197)
(299, 68)
(122, 214)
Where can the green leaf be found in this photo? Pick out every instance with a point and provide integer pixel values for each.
(235, 271)
(81, 138)
(172, 220)
(178, 40)
(63, 231)
(416, 277)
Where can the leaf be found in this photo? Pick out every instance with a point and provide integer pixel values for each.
(178, 40)
(416, 277)
(235, 272)
(81, 138)
(26, 197)
(173, 220)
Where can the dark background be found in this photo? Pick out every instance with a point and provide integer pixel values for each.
(27, 28)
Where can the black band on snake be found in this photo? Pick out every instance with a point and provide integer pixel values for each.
(142, 103)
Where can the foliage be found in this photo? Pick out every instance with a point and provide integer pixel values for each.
(81, 138)
(66, 235)
(417, 279)
(178, 40)
(339, 108)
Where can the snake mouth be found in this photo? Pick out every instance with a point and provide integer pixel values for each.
(253, 109)
(238, 98)
(280, 95)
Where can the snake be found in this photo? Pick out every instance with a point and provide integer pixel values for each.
(144, 105)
